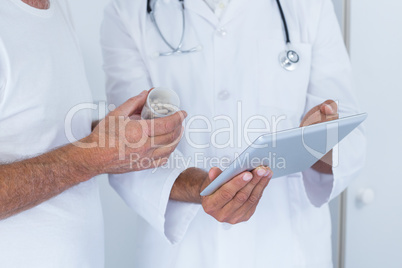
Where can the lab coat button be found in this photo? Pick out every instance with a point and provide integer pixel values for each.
(224, 95)
(222, 32)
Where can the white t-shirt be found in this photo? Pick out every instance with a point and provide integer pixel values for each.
(42, 77)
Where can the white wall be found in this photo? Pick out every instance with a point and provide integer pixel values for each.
(119, 219)
(374, 231)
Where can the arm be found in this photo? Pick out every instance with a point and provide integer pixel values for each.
(30, 182)
(187, 187)
(331, 78)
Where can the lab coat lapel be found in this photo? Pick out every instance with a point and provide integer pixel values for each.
(234, 8)
(202, 9)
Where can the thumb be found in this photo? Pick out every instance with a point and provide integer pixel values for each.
(132, 105)
(214, 173)
(329, 107)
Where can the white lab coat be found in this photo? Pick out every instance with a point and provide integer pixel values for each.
(238, 66)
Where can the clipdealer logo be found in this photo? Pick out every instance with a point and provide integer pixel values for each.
(203, 138)
(199, 131)
(203, 161)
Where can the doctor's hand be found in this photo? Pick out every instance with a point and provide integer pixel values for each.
(324, 112)
(236, 200)
(122, 142)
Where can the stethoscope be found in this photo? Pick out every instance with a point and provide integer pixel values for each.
(288, 59)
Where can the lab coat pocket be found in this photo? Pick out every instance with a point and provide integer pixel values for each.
(281, 90)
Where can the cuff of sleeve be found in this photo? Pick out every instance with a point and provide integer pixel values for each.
(319, 187)
(177, 216)
(348, 159)
(147, 193)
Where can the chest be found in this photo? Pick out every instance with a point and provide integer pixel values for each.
(43, 67)
(238, 58)
(43, 81)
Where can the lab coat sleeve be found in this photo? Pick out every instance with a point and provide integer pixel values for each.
(331, 79)
(146, 192)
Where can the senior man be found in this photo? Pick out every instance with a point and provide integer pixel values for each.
(50, 211)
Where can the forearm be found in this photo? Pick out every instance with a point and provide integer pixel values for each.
(187, 187)
(30, 182)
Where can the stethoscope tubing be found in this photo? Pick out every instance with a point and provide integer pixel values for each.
(284, 62)
(285, 24)
(178, 49)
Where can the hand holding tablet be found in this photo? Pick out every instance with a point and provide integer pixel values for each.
(297, 148)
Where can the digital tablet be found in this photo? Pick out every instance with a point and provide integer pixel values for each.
(289, 151)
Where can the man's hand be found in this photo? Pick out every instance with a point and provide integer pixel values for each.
(324, 112)
(127, 143)
(236, 201)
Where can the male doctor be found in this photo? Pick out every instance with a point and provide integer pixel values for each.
(234, 88)
(50, 210)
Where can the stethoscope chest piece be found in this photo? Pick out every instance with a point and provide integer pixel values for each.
(289, 60)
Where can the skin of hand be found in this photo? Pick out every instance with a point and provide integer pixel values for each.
(326, 111)
(126, 136)
(27, 183)
(233, 202)
(237, 200)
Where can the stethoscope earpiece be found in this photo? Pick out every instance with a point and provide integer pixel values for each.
(289, 59)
